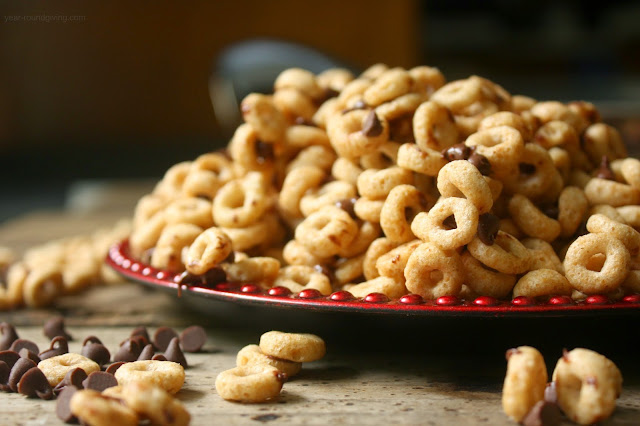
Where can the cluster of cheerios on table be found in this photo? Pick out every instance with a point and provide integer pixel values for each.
(397, 181)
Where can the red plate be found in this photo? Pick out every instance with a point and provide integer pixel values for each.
(343, 301)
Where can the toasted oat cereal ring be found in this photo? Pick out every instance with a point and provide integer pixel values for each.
(522, 103)
(376, 249)
(301, 80)
(542, 255)
(346, 170)
(353, 92)
(367, 209)
(207, 174)
(506, 255)
(297, 182)
(320, 156)
(299, 277)
(250, 383)
(210, 248)
(459, 94)
(600, 140)
(325, 111)
(542, 282)
(557, 133)
(385, 156)
(255, 234)
(572, 206)
(347, 270)
(400, 207)
(630, 169)
(253, 355)
(461, 178)
(146, 236)
(434, 127)
(524, 383)
(502, 145)
(590, 279)
(389, 85)
(155, 404)
(587, 114)
(295, 347)
(399, 107)
(561, 161)
(42, 285)
(262, 114)
(432, 272)
(249, 152)
(377, 184)
(294, 104)
(428, 162)
(392, 264)
(587, 385)
(426, 80)
(357, 132)
(55, 368)
(189, 210)
(258, 270)
(147, 207)
(509, 226)
(168, 251)
(482, 280)
(367, 233)
(599, 223)
(327, 231)
(295, 253)
(506, 118)
(615, 194)
(326, 195)
(164, 374)
(578, 178)
(242, 202)
(531, 220)
(632, 282)
(553, 110)
(388, 286)
(334, 79)
(630, 215)
(535, 173)
(93, 408)
(171, 184)
(434, 226)
(302, 136)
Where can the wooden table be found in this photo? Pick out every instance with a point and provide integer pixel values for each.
(378, 370)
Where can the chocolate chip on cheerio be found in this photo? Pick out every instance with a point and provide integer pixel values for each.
(73, 377)
(9, 335)
(264, 152)
(111, 369)
(371, 126)
(63, 410)
(488, 227)
(174, 353)
(17, 371)
(347, 204)
(359, 104)
(93, 349)
(19, 344)
(34, 383)
(193, 338)
(605, 171)
(58, 346)
(481, 162)
(543, 413)
(162, 337)
(99, 381)
(159, 357)
(128, 351)
(213, 276)
(147, 353)
(458, 151)
(26, 353)
(55, 327)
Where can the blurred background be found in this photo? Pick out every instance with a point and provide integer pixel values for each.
(94, 92)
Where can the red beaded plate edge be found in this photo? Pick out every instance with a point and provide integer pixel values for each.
(411, 304)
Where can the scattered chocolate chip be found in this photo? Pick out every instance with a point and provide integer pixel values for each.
(193, 338)
(371, 126)
(9, 357)
(605, 171)
(213, 276)
(114, 367)
(455, 152)
(526, 168)
(147, 353)
(511, 352)
(162, 337)
(19, 368)
(5, 370)
(128, 351)
(9, 335)
(159, 357)
(26, 353)
(63, 409)
(58, 346)
(488, 227)
(542, 414)
(73, 378)
(55, 327)
(189, 279)
(347, 205)
(264, 152)
(450, 222)
(481, 162)
(174, 353)
(19, 344)
(141, 340)
(99, 381)
(93, 349)
(550, 393)
(359, 104)
(34, 383)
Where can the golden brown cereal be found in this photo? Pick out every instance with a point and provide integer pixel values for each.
(347, 270)
(168, 251)
(542, 282)
(428, 161)
(572, 206)
(207, 174)
(599, 223)
(432, 272)
(42, 285)
(434, 127)
(630, 215)
(506, 118)
(435, 226)
(630, 169)
(295, 253)
(55, 368)
(457, 95)
(265, 231)
(357, 132)
(295, 347)
(542, 255)
(299, 277)
(93, 408)
(392, 263)
(346, 170)
(502, 145)
(522, 103)
(320, 156)
(261, 113)
(482, 280)
(297, 182)
(506, 255)
(376, 184)
(257, 270)
(367, 233)
(249, 152)
(601, 140)
(326, 195)
(164, 374)
(11, 295)
(616, 194)
(367, 209)
(171, 185)
(401, 206)
(250, 383)
(301, 136)
(252, 355)
(587, 385)
(376, 249)
(154, 403)
(294, 104)
(557, 133)
(535, 173)
(531, 220)
(461, 178)
(385, 156)
(299, 79)
(525, 381)
(402, 106)
(146, 236)
(327, 231)
(426, 80)
(210, 248)
(388, 286)
(240, 203)
(388, 85)
(334, 79)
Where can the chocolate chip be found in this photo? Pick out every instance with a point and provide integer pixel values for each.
(481, 162)
(193, 338)
(159, 357)
(141, 340)
(17, 371)
(9, 335)
(604, 171)
(128, 351)
(19, 344)
(147, 353)
(55, 327)
(58, 346)
(264, 152)
(550, 393)
(63, 408)
(213, 276)
(162, 337)
(73, 378)
(359, 104)
(5, 370)
(450, 222)
(26, 353)
(99, 381)
(347, 205)
(93, 349)
(323, 269)
(455, 152)
(488, 227)
(526, 168)
(542, 414)
(34, 383)
(9, 357)
(114, 367)
(174, 353)
(371, 126)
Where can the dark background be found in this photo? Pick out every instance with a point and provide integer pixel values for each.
(121, 89)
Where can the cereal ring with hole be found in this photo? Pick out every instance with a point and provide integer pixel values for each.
(326, 195)
(189, 210)
(93, 408)
(459, 94)
(428, 162)
(535, 173)
(261, 113)
(146, 236)
(587, 385)
(432, 272)
(168, 251)
(210, 248)
(502, 145)
(167, 375)
(154, 403)
(346, 270)
(297, 347)
(388, 286)
(387, 86)
(553, 110)
(599, 223)
(531, 220)
(346, 170)
(392, 264)
(460, 178)
(542, 255)
(600, 140)
(357, 132)
(631, 215)
(587, 114)
(376, 249)
(325, 111)
(42, 285)
(607, 210)
(631, 284)
(561, 161)
(319, 156)
(252, 355)
(426, 80)
(434, 127)
(435, 226)
(401, 206)
(171, 184)
(384, 157)
(557, 133)
(295, 253)
(258, 270)
(615, 194)
(367, 233)
(297, 182)
(524, 383)
(300, 277)
(55, 368)
(302, 136)
(484, 281)
(522, 103)
(248, 152)
(241, 202)
(301, 80)
(147, 207)
(367, 209)
(207, 174)
(630, 169)
(250, 383)
(255, 234)
(327, 231)
(506, 255)
(542, 282)
(399, 107)
(507, 118)
(334, 79)
(597, 278)
(294, 104)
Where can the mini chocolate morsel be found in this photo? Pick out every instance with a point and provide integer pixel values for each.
(193, 338)
(9, 357)
(542, 414)
(63, 409)
(213, 276)
(93, 349)
(19, 368)
(526, 168)
(26, 353)
(189, 279)
(550, 393)
(347, 204)
(162, 337)
(264, 152)
(128, 351)
(114, 367)
(55, 327)
(34, 383)
(19, 344)
(450, 222)
(488, 227)
(459, 151)
(147, 353)
(604, 171)
(4, 376)
(159, 357)
(371, 126)
(174, 353)
(359, 104)
(73, 378)
(58, 346)
(9, 335)
(99, 381)
(481, 162)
